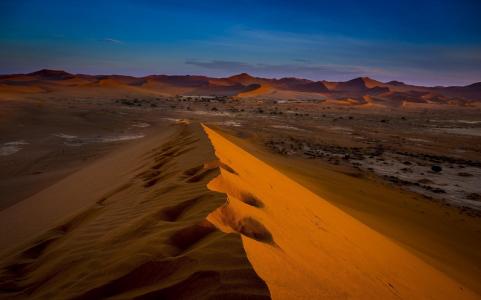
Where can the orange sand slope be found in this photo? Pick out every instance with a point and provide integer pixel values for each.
(137, 230)
(306, 248)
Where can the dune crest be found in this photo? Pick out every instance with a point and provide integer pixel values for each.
(306, 248)
(144, 237)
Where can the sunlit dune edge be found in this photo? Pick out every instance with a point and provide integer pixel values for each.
(306, 248)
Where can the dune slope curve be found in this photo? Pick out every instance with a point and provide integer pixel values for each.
(306, 248)
(147, 237)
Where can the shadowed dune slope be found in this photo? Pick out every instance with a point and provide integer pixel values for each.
(137, 230)
(306, 248)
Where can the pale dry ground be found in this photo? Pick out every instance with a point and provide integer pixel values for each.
(306, 248)
(129, 226)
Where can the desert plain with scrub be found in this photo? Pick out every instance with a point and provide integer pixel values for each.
(194, 187)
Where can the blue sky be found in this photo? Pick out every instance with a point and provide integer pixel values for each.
(422, 42)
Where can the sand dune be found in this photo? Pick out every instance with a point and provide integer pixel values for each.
(187, 214)
(305, 248)
(137, 230)
(260, 90)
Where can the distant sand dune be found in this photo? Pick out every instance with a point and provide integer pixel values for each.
(384, 95)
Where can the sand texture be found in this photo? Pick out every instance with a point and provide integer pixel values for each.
(136, 229)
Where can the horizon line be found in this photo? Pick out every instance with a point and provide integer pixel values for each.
(237, 74)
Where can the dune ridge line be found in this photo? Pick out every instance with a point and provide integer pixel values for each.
(306, 248)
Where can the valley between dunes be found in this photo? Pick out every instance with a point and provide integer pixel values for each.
(188, 214)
